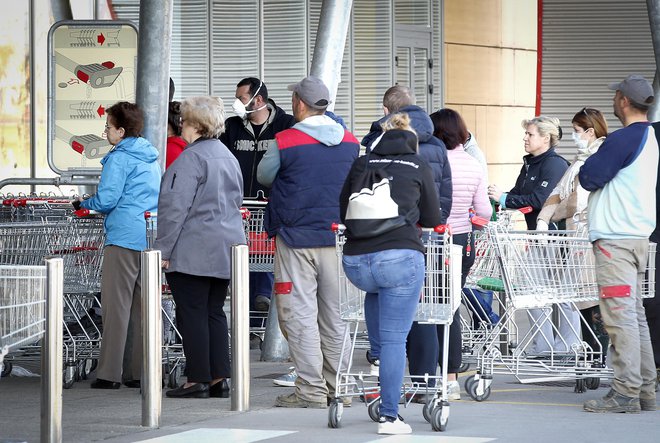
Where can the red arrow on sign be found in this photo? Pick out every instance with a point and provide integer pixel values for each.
(100, 38)
(101, 111)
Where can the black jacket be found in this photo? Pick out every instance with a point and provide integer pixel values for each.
(431, 149)
(412, 189)
(248, 149)
(538, 177)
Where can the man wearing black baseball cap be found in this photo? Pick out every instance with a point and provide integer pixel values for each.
(306, 168)
(622, 178)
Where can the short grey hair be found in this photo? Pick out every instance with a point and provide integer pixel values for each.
(206, 114)
(398, 97)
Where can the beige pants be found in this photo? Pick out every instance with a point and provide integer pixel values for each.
(620, 267)
(120, 302)
(306, 287)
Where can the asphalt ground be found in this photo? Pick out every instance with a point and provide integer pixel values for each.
(514, 412)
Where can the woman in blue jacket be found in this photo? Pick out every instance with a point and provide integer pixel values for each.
(129, 186)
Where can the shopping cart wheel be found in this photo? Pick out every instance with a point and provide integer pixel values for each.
(475, 395)
(464, 367)
(440, 417)
(334, 413)
(374, 410)
(6, 369)
(468, 383)
(427, 410)
(593, 383)
(580, 386)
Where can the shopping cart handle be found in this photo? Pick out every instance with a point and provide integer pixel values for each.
(526, 209)
(337, 227)
(150, 214)
(84, 212)
(479, 221)
(245, 213)
(441, 229)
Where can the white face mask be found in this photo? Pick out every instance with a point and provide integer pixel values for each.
(581, 144)
(240, 109)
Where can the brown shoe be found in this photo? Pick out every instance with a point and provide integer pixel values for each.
(613, 402)
(293, 401)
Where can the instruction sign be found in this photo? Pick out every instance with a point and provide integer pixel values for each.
(91, 66)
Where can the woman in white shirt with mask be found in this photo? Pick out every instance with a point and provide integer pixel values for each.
(566, 200)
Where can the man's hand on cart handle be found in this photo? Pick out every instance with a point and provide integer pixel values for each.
(165, 264)
(76, 203)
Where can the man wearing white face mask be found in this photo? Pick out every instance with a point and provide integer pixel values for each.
(248, 136)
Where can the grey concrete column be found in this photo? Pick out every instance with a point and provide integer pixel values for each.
(330, 42)
(153, 70)
(653, 7)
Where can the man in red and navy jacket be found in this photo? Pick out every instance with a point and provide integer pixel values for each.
(306, 168)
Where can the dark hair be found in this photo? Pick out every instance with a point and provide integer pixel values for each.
(448, 126)
(174, 117)
(128, 116)
(591, 118)
(172, 89)
(254, 86)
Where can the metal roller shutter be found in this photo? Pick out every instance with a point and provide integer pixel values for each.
(586, 45)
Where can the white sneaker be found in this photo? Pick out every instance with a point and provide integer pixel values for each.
(375, 368)
(288, 379)
(453, 390)
(393, 426)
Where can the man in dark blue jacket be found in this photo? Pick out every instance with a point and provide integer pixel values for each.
(401, 99)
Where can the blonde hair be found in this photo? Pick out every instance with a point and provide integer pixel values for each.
(206, 114)
(400, 120)
(546, 126)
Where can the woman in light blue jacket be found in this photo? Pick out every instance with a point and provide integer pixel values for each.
(128, 187)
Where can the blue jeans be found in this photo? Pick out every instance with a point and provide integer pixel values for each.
(393, 281)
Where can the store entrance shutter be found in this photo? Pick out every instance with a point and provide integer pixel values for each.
(586, 45)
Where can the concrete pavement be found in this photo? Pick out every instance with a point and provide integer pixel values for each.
(513, 413)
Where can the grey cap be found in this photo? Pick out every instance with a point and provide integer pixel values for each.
(636, 88)
(312, 91)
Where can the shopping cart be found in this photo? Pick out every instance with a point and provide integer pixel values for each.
(439, 300)
(261, 254)
(540, 269)
(22, 309)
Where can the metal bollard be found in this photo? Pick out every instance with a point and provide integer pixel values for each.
(51, 354)
(240, 334)
(275, 346)
(152, 334)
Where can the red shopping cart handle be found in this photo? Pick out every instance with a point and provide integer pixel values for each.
(84, 212)
(336, 227)
(441, 229)
(245, 213)
(479, 221)
(150, 214)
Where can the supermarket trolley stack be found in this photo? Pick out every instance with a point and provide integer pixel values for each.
(174, 359)
(541, 269)
(48, 231)
(22, 307)
(439, 300)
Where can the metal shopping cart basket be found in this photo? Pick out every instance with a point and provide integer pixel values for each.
(439, 300)
(22, 308)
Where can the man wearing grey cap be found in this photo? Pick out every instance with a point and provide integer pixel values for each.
(306, 168)
(622, 178)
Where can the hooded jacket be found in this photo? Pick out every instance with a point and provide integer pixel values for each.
(412, 188)
(248, 149)
(129, 186)
(431, 149)
(538, 177)
(306, 166)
